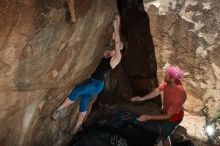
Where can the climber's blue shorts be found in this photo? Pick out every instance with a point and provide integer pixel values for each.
(86, 91)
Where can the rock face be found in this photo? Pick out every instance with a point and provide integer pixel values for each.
(186, 33)
(42, 57)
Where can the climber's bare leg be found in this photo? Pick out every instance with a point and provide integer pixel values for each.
(79, 122)
(90, 106)
(66, 103)
(59, 111)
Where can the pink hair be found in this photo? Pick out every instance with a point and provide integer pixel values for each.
(175, 72)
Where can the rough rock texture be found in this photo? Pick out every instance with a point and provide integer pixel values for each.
(186, 33)
(42, 56)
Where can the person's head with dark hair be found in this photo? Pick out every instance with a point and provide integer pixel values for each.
(110, 49)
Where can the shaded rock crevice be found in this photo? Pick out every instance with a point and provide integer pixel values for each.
(137, 73)
(140, 62)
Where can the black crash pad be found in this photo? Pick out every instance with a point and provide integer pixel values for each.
(119, 131)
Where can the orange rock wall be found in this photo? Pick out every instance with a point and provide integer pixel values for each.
(42, 57)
